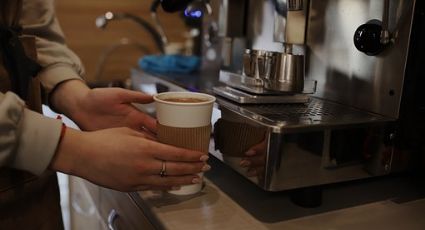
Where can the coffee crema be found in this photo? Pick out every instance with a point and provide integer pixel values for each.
(185, 100)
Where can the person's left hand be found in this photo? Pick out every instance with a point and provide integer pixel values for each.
(94, 109)
(255, 159)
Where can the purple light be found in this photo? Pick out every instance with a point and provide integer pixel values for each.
(193, 13)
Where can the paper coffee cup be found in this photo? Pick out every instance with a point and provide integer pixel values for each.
(184, 120)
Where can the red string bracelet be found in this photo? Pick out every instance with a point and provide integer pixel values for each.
(63, 129)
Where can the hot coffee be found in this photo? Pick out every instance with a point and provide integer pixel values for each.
(184, 120)
(185, 100)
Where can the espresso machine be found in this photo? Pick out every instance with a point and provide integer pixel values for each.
(317, 88)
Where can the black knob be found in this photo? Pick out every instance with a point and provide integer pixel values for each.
(367, 38)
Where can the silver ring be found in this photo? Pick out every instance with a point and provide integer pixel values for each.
(163, 171)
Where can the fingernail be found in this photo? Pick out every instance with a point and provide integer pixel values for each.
(244, 163)
(196, 180)
(175, 188)
(250, 152)
(204, 158)
(205, 168)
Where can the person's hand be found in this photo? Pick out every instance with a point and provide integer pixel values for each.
(126, 160)
(94, 109)
(254, 159)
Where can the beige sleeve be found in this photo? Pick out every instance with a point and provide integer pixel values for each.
(28, 140)
(59, 62)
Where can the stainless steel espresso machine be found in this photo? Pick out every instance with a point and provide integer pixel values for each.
(314, 87)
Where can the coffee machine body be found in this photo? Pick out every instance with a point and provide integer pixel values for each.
(338, 122)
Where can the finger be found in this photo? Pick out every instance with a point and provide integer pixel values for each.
(172, 153)
(171, 181)
(251, 172)
(146, 121)
(148, 135)
(137, 133)
(245, 163)
(256, 149)
(176, 168)
(185, 168)
(250, 152)
(254, 161)
(146, 130)
(130, 96)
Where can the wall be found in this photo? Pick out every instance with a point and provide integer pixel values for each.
(77, 18)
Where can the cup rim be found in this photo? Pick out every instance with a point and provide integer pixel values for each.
(211, 98)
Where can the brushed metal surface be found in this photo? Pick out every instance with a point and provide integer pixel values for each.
(343, 74)
(346, 75)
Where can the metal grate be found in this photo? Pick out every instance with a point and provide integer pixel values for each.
(316, 111)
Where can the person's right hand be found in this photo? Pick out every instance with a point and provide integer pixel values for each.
(126, 160)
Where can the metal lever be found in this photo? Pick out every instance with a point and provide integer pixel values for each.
(113, 215)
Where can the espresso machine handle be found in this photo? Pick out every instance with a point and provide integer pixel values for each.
(367, 38)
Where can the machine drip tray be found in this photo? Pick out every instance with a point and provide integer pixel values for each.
(242, 97)
(316, 113)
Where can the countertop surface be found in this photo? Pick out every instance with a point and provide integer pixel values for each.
(229, 201)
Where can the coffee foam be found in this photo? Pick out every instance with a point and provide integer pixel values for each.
(184, 115)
